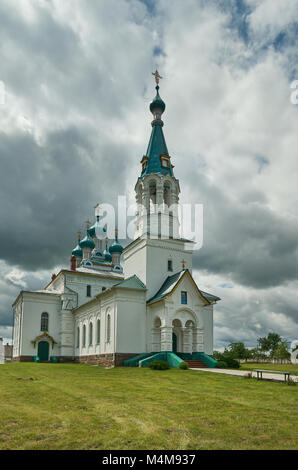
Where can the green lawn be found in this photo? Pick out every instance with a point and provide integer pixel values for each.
(72, 406)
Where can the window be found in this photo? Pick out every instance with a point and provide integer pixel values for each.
(170, 265)
(78, 337)
(98, 331)
(44, 324)
(183, 297)
(88, 293)
(90, 333)
(84, 336)
(108, 328)
(103, 288)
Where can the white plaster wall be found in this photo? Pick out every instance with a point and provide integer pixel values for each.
(78, 283)
(98, 309)
(33, 306)
(131, 321)
(148, 259)
(171, 309)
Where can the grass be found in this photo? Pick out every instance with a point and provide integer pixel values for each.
(72, 406)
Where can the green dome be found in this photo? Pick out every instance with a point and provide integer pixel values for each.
(87, 242)
(77, 251)
(157, 102)
(107, 255)
(116, 247)
(92, 230)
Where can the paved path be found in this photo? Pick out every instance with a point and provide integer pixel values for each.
(240, 373)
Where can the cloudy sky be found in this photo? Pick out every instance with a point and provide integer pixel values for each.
(74, 124)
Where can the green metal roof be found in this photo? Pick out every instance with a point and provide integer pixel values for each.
(87, 242)
(132, 282)
(157, 145)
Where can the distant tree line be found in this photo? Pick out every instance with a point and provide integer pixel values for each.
(270, 347)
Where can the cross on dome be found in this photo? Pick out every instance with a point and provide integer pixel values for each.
(157, 76)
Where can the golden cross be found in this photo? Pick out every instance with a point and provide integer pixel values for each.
(79, 234)
(87, 224)
(183, 264)
(157, 76)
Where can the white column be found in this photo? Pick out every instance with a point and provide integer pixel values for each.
(187, 340)
(166, 338)
(198, 345)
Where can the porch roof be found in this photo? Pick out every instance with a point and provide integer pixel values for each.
(172, 282)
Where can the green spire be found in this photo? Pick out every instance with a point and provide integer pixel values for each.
(153, 162)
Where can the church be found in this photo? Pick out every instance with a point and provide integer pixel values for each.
(124, 306)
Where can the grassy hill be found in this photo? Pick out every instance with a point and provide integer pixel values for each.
(71, 406)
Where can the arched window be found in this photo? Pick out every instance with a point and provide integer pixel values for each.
(98, 332)
(90, 333)
(44, 324)
(108, 328)
(78, 337)
(84, 336)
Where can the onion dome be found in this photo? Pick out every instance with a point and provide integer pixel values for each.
(157, 103)
(97, 230)
(116, 247)
(87, 242)
(77, 251)
(106, 253)
(107, 256)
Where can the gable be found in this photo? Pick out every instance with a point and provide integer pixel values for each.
(176, 282)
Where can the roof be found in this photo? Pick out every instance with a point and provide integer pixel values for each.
(172, 282)
(157, 146)
(132, 282)
(210, 296)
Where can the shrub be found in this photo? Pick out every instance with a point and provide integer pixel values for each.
(159, 365)
(183, 365)
(230, 363)
(222, 365)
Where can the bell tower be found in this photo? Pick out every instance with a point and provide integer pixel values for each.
(157, 190)
(157, 250)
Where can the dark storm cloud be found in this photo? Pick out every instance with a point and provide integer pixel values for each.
(49, 191)
(246, 240)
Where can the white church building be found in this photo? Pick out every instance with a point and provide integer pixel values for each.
(124, 306)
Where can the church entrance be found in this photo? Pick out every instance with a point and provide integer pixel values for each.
(174, 339)
(43, 350)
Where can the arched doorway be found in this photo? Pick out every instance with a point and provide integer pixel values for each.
(43, 350)
(177, 336)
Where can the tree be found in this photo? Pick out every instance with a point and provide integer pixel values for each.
(281, 351)
(269, 343)
(238, 351)
(257, 354)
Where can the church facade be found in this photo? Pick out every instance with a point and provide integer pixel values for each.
(124, 306)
